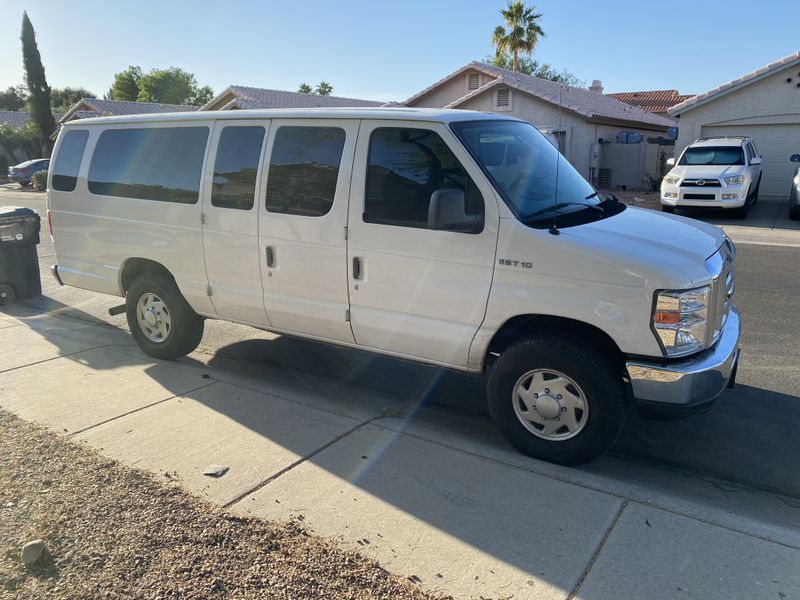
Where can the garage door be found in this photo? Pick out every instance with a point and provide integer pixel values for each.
(775, 143)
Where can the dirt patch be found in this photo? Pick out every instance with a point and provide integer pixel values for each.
(111, 531)
(641, 199)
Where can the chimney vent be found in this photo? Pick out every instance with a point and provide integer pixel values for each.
(597, 86)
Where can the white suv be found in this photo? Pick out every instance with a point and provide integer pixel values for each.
(716, 172)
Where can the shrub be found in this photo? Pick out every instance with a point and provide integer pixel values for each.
(39, 180)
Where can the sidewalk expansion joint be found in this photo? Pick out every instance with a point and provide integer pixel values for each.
(141, 408)
(67, 355)
(599, 490)
(597, 551)
(298, 462)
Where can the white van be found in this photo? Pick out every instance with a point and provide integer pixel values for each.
(448, 237)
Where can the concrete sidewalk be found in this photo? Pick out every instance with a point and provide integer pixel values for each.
(432, 493)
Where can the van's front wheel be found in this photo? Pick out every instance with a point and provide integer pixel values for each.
(557, 399)
(161, 321)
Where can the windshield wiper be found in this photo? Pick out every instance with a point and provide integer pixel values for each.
(558, 205)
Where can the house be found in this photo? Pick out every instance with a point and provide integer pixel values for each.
(594, 131)
(13, 118)
(95, 107)
(763, 104)
(242, 97)
(654, 101)
(15, 150)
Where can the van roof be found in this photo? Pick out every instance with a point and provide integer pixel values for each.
(399, 113)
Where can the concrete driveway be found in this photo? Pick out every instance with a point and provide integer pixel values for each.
(400, 462)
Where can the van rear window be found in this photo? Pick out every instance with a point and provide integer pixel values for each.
(68, 161)
(163, 163)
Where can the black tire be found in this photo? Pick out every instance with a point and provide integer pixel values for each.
(186, 326)
(24, 183)
(794, 213)
(595, 375)
(741, 212)
(668, 209)
(755, 193)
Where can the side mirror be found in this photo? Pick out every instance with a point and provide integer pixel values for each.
(756, 160)
(795, 158)
(671, 162)
(448, 211)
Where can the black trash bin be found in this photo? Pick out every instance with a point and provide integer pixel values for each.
(19, 262)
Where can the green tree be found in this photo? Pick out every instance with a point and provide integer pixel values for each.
(522, 34)
(323, 89)
(536, 69)
(126, 85)
(62, 99)
(304, 88)
(14, 98)
(36, 83)
(166, 86)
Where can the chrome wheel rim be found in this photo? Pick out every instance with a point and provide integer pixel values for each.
(550, 405)
(153, 317)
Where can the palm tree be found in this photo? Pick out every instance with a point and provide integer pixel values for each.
(523, 31)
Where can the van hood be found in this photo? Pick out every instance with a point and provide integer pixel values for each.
(682, 243)
(707, 171)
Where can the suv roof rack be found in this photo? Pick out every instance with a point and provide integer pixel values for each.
(723, 137)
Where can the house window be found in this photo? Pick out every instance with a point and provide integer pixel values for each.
(473, 81)
(503, 98)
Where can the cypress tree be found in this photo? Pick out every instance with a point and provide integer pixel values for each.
(38, 90)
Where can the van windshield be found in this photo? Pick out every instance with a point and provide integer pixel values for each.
(525, 169)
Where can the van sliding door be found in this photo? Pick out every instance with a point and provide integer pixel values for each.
(303, 215)
(230, 220)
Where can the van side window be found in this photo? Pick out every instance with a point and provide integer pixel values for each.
(304, 169)
(238, 151)
(68, 162)
(405, 168)
(158, 163)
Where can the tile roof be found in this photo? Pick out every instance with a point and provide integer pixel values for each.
(99, 108)
(591, 105)
(748, 78)
(13, 118)
(253, 97)
(656, 101)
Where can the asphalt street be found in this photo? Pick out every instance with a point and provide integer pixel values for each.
(748, 439)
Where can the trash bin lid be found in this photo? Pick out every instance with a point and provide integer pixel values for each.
(17, 213)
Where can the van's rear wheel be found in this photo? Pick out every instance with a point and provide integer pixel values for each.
(161, 321)
(557, 399)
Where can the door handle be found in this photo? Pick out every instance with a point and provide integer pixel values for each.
(270, 256)
(356, 268)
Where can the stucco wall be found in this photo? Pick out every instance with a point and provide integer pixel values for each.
(449, 91)
(769, 101)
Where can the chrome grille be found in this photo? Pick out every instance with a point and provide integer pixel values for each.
(701, 183)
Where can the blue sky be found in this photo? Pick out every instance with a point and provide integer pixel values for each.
(391, 50)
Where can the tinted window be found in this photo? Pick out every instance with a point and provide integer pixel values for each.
(303, 170)
(709, 155)
(152, 164)
(68, 161)
(235, 168)
(405, 167)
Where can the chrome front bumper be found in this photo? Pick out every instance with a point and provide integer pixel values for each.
(690, 383)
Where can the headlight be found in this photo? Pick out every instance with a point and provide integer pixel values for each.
(680, 319)
(736, 180)
(671, 179)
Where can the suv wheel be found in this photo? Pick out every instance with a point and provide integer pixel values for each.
(161, 321)
(668, 209)
(557, 399)
(794, 213)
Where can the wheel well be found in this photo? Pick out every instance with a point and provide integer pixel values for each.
(134, 267)
(523, 326)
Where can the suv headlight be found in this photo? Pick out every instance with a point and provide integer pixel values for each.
(680, 320)
(671, 179)
(735, 180)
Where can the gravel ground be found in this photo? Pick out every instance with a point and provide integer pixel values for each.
(111, 531)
